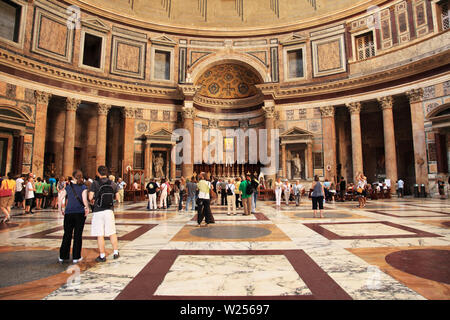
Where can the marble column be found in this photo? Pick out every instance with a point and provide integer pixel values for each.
(420, 150)
(148, 163)
(18, 144)
(329, 142)
(42, 99)
(128, 142)
(390, 153)
(69, 136)
(283, 161)
(187, 168)
(342, 138)
(102, 116)
(309, 154)
(173, 165)
(269, 114)
(357, 157)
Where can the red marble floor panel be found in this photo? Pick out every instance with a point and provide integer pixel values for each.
(130, 236)
(318, 227)
(145, 284)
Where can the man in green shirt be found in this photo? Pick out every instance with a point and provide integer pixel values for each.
(246, 197)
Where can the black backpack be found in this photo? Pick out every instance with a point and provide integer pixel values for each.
(105, 195)
(250, 188)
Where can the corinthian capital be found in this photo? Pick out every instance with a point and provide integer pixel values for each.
(72, 104)
(327, 111)
(386, 102)
(354, 107)
(188, 112)
(415, 95)
(128, 112)
(42, 97)
(269, 111)
(103, 109)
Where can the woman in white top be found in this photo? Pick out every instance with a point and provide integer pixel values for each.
(29, 195)
(163, 196)
(287, 191)
(361, 190)
(278, 190)
(230, 197)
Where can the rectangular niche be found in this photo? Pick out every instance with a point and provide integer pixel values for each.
(128, 57)
(162, 63)
(12, 21)
(329, 56)
(294, 62)
(53, 35)
(92, 50)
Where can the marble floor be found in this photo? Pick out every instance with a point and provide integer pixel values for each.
(397, 249)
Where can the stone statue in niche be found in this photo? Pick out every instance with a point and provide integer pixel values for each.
(158, 164)
(297, 166)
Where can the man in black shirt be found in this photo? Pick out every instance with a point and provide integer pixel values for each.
(151, 190)
(342, 188)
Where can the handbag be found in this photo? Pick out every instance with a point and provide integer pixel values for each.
(359, 190)
(5, 192)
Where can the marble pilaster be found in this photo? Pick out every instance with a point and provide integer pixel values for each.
(102, 116)
(329, 142)
(72, 105)
(128, 145)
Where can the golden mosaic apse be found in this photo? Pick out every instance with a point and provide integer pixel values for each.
(228, 81)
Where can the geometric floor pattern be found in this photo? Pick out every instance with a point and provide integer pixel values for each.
(396, 249)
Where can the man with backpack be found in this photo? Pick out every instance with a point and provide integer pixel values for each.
(102, 194)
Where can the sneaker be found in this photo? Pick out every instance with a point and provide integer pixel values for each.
(77, 260)
(116, 256)
(100, 259)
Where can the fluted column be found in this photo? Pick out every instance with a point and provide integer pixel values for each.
(187, 169)
(357, 157)
(188, 91)
(128, 142)
(283, 161)
(309, 155)
(386, 104)
(102, 116)
(329, 142)
(173, 165)
(269, 114)
(420, 150)
(42, 99)
(69, 136)
(148, 163)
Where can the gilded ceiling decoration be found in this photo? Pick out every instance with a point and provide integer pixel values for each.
(228, 81)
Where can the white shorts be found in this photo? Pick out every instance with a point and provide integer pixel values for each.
(103, 224)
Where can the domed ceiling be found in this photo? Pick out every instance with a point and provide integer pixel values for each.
(195, 16)
(228, 81)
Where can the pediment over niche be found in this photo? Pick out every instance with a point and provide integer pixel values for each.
(160, 133)
(160, 137)
(296, 134)
(163, 40)
(95, 23)
(295, 38)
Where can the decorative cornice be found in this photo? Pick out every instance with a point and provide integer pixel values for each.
(188, 90)
(42, 97)
(188, 112)
(52, 72)
(228, 103)
(103, 109)
(72, 104)
(386, 102)
(354, 107)
(327, 111)
(415, 95)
